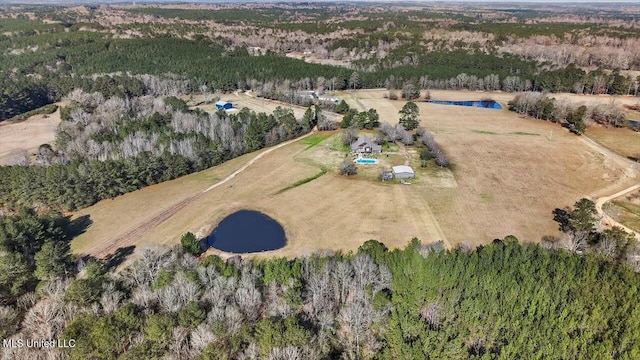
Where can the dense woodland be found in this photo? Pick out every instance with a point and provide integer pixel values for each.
(107, 147)
(44, 61)
(566, 298)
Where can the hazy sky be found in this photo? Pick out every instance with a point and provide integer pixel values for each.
(293, 1)
(505, 2)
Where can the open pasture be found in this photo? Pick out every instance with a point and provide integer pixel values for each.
(511, 172)
(241, 100)
(330, 212)
(508, 175)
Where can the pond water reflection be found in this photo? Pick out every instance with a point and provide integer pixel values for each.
(247, 231)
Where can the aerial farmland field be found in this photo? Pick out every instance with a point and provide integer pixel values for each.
(509, 173)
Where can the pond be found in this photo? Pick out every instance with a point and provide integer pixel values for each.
(247, 231)
(486, 104)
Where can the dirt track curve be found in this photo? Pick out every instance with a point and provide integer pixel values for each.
(632, 169)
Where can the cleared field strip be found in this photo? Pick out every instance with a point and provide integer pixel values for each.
(26, 136)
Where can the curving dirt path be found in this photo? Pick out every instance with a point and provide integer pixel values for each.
(632, 169)
(608, 219)
(135, 231)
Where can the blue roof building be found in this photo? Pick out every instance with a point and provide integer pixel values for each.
(224, 105)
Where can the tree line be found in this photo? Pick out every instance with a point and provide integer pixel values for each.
(574, 116)
(498, 301)
(107, 147)
(61, 61)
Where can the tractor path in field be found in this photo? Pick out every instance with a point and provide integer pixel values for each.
(134, 232)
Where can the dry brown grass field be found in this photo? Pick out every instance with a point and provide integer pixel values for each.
(625, 142)
(329, 213)
(511, 172)
(26, 136)
(508, 174)
(240, 100)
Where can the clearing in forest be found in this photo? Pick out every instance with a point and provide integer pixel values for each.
(509, 173)
(20, 138)
(329, 212)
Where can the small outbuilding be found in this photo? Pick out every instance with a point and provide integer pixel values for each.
(403, 172)
(224, 105)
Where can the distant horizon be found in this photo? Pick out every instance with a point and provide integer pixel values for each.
(152, 2)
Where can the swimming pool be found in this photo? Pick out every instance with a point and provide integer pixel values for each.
(366, 161)
(487, 104)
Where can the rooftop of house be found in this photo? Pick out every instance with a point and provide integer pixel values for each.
(364, 141)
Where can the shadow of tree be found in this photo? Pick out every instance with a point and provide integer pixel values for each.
(117, 258)
(204, 243)
(561, 216)
(78, 226)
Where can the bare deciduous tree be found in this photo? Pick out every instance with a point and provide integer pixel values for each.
(45, 320)
(575, 241)
(111, 298)
(233, 319)
(145, 298)
(431, 314)
(276, 306)
(287, 353)
(201, 337)
(248, 297)
(356, 317)
(342, 279)
(180, 347)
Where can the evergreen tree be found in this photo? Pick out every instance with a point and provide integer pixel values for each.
(191, 244)
(409, 116)
(342, 107)
(354, 80)
(52, 261)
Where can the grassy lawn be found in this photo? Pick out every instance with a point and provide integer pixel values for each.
(302, 182)
(44, 110)
(315, 139)
(484, 132)
(524, 133)
(623, 141)
(337, 145)
(626, 210)
(482, 198)
(389, 147)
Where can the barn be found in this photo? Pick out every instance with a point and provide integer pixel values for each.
(224, 105)
(403, 172)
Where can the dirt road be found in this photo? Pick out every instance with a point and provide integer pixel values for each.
(632, 170)
(610, 221)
